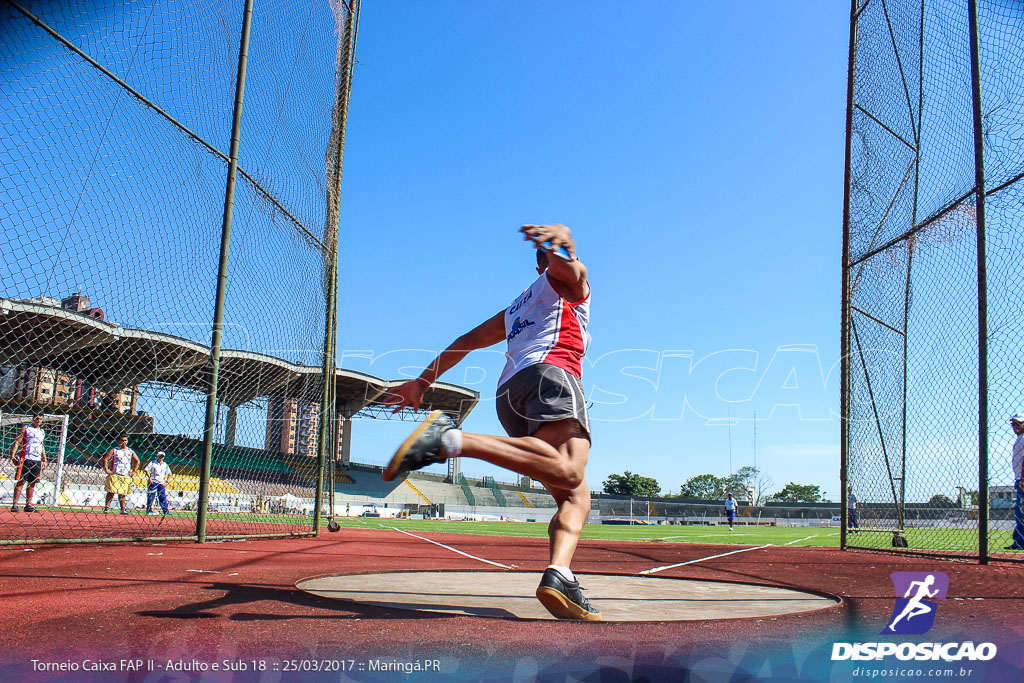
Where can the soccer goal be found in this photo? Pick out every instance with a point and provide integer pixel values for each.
(56, 429)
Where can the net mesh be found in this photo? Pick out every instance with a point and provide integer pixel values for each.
(912, 342)
(117, 121)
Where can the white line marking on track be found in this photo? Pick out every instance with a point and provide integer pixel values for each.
(454, 550)
(702, 559)
(722, 535)
(800, 539)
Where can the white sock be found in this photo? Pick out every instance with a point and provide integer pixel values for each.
(451, 442)
(564, 571)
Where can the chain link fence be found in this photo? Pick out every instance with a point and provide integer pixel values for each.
(172, 175)
(932, 281)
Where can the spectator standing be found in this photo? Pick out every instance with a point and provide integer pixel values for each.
(29, 455)
(157, 472)
(1017, 461)
(120, 464)
(851, 510)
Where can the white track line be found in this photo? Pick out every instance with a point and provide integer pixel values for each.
(724, 534)
(454, 550)
(731, 552)
(800, 539)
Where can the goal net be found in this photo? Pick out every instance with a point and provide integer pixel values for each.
(51, 482)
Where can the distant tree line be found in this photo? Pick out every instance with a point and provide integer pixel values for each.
(746, 483)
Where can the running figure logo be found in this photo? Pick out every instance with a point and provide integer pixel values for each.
(914, 613)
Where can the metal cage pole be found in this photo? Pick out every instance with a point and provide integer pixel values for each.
(844, 342)
(345, 63)
(979, 193)
(222, 279)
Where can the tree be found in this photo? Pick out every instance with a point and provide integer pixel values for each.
(629, 484)
(797, 493)
(705, 486)
(747, 479)
(940, 500)
(740, 480)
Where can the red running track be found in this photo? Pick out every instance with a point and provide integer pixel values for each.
(237, 600)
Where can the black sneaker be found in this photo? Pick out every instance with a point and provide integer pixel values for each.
(30, 508)
(422, 448)
(564, 599)
(15, 508)
(1009, 547)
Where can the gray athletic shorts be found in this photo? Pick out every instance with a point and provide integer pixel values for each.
(537, 394)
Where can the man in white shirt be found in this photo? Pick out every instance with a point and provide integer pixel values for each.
(730, 510)
(1017, 460)
(157, 472)
(29, 455)
(120, 464)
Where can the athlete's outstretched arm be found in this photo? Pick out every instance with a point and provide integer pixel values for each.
(485, 334)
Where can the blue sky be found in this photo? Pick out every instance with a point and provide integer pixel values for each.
(695, 149)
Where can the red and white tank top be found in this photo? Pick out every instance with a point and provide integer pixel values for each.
(542, 327)
(32, 443)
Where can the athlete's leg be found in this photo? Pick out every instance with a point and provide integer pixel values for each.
(565, 527)
(30, 493)
(554, 455)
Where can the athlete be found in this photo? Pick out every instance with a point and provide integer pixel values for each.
(540, 404)
(29, 454)
(915, 607)
(120, 464)
(730, 510)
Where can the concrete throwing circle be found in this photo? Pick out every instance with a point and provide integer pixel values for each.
(511, 595)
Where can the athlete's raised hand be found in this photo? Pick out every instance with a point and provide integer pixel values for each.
(550, 237)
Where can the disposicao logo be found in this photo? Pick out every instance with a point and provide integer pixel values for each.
(914, 614)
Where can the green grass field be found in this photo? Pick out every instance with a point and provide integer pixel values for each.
(943, 540)
(948, 540)
(751, 535)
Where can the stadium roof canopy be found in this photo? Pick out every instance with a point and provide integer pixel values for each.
(110, 358)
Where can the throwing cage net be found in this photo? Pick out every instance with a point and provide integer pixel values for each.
(933, 285)
(169, 207)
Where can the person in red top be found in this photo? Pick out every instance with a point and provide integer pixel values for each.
(540, 404)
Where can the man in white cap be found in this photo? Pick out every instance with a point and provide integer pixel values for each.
(157, 472)
(1017, 424)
